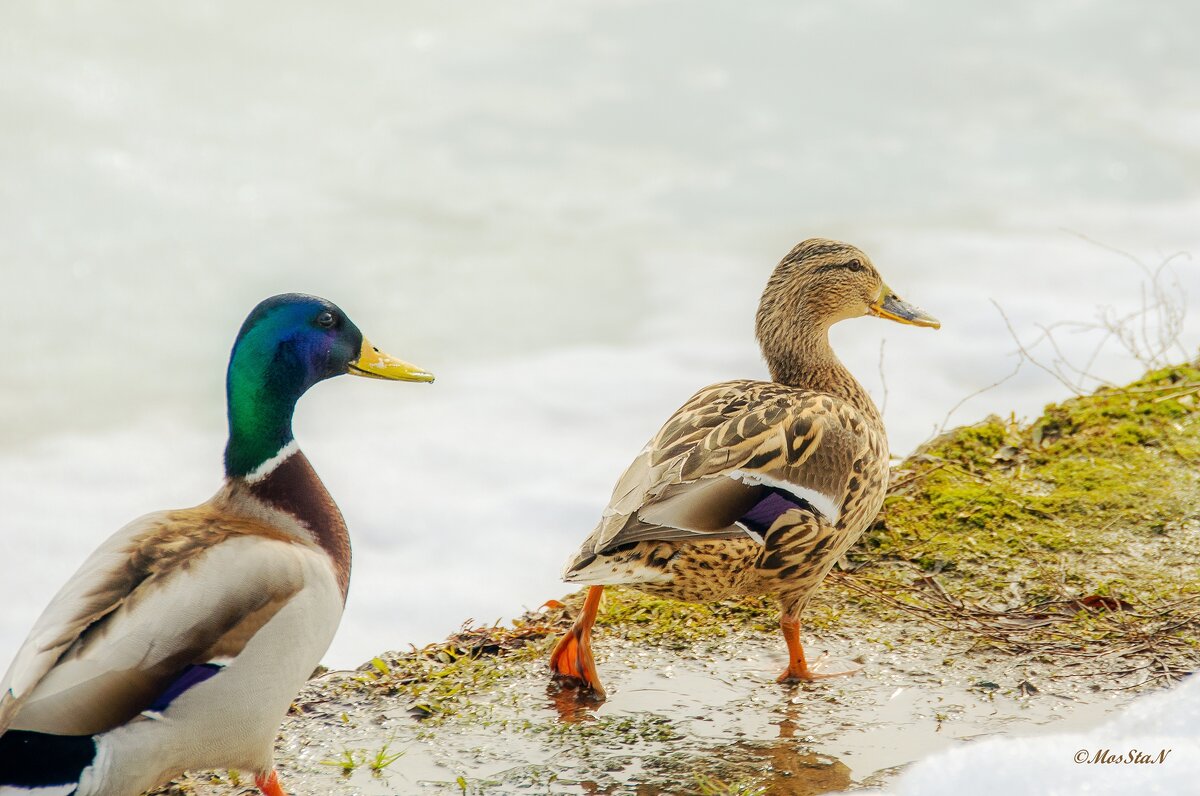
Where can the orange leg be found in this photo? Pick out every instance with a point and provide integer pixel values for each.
(269, 784)
(572, 656)
(797, 665)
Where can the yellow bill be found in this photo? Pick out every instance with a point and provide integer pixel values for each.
(374, 364)
(892, 307)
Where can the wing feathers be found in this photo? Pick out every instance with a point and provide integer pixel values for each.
(706, 507)
(721, 453)
(157, 597)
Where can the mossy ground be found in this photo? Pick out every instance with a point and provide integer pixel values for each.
(1017, 571)
(1075, 534)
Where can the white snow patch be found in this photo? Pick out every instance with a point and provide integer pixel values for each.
(1151, 747)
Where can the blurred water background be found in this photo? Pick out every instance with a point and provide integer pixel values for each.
(565, 210)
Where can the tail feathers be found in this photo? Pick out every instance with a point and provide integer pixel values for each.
(39, 764)
(636, 562)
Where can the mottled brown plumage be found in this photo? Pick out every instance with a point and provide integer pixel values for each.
(757, 487)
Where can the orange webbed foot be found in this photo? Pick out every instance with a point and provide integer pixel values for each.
(572, 661)
(797, 670)
(269, 784)
(802, 674)
(572, 657)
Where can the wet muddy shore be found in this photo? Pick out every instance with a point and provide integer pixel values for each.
(1022, 579)
(708, 718)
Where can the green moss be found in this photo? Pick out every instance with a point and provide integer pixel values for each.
(642, 616)
(975, 445)
(1056, 505)
(442, 680)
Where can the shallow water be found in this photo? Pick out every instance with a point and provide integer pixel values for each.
(565, 211)
(675, 719)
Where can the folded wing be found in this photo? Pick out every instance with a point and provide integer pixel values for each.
(733, 455)
(166, 594)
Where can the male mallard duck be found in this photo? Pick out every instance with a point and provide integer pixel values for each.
(180, 642)
(754, 487)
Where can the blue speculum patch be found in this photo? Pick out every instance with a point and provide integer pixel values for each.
(191, 676)
(767, 510)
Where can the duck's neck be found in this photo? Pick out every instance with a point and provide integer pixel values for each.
(266, 473)
(800, 356)
(289, 484)
(260, 402)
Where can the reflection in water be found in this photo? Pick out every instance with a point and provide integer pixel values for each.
(723, 754)
(791, 770)
(727, 764)
(783, 768)
(572, 703)
(787, 767)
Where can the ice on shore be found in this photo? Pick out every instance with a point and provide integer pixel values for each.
(1150, 747)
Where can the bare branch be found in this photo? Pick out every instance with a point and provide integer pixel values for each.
(1150, 334)
(946, 420)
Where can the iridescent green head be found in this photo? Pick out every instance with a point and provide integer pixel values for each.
(287, 344)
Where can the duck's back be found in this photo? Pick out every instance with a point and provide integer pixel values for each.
(730, 462)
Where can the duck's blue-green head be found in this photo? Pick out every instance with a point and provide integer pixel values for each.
(287, 344)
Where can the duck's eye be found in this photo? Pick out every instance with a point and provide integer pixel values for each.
(326, 320)
(854, 265)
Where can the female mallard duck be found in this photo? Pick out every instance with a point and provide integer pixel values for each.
(181, 641)
(754, 487)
